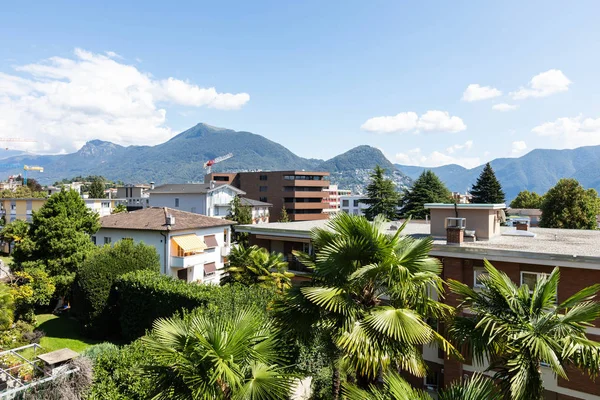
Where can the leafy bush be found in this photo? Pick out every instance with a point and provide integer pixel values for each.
(31, 287)
(96, 277)
(118, 374)
(143, 296)
(95, 351)
(20, 334)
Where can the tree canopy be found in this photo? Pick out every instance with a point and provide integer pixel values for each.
(569, 206)
(242, 215)
(428, 188)
(527, 199)
(382, 196)
(487, 189)
(97, 189)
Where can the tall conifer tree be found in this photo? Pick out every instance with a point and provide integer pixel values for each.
(487, 189)
(428, 188)
(382, 197)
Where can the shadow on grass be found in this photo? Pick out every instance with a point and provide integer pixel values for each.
(62, 327)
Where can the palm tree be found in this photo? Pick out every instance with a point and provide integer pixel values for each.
(371, 293)
(396, 388)
(222, 357)
(6, 307)
(518, 329)
(256, 266)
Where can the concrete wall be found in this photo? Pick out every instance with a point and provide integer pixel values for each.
(190, 202)
(484, 222)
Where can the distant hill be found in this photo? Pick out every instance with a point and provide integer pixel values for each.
(180, 159)
(537, 171)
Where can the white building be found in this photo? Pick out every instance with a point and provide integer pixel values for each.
(191, 247)
(210, 199)
(352, 204)
(333, 198)
(137, 196)
(103, 206)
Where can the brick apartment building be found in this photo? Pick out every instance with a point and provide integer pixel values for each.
(523, 253)
(302, 193)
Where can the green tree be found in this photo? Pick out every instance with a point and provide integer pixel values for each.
(120, 208)
(96, 277)
(569, 206)
(97, 189)
(59, 237)
(428, 188)
(487, 189)
(284, 215)
(15, 232)
(219, 357)
(527, 199)
(370, 293)
(396, 388)
(243, 216)
(31, 288)
(7, 307)
(382, 197)
(256, 266)
(520, 328)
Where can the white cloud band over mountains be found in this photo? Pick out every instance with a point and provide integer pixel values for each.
(431, 121)
(64, 102)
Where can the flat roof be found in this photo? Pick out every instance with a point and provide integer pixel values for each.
(555, 246)
(469, 206)
(58, 356)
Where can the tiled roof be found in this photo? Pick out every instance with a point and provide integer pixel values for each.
(254, 203)
(155, 219)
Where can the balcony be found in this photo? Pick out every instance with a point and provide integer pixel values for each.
(305, 206)
(306, 195)
(225, 251)
(189, 261)
(307, 183)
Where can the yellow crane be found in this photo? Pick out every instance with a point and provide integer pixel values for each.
(30, 168)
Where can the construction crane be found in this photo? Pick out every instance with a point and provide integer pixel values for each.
(30, 168)
(208, 165)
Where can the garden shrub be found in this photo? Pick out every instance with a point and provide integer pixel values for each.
(31, 288)
(95, 351)
(96, 276)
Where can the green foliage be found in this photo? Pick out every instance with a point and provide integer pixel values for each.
(23, 192)
(59, 235)
(21, 333)
(15, 231)
(118, 374)
(120, 208)
(256, 266)
(95, 279)
(7, 307)
(369, 294)
(284, 215)
(31, 288)
(143, 296)
(97, 189)
(242, 215)
(518, 328)
(527, 199)
(95, 351)
(487, 189)
(569, 206)
(382, 197)
(219, 357)
(428, 188)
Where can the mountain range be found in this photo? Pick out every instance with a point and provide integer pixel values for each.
(181, 159)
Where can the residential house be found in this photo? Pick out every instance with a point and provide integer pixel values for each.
(464, 235)
(260, 210)
(301, 193)
(191, 247)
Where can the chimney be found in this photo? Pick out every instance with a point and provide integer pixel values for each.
(151, 185)
(522, 226)
(455, 231)
(212, 184)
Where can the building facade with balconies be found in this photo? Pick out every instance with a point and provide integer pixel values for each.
(191, 247)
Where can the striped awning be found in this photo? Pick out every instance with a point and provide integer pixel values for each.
(189, 243)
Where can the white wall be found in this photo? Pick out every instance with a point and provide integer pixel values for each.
(351, 208)
(214, 204)
(219, 201)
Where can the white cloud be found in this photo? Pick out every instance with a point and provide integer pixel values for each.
(572, 131)
(475, 92)
(434, 159)
(402, 122)
(64, 102)
(544, 84)
(518, 147)
(505, 107)
(467, 146)
(440, 121)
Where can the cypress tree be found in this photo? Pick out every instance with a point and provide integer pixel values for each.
(382, 197)
(428, 188)
(487, 189)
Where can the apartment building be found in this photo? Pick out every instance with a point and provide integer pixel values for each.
(352, 204)
(103, 207)
(137, 196)
(191, 247)
(464, 235)
(12, 209)
(302, 193)
(333, 198)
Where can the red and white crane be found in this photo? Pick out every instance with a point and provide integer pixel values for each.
(208, 165)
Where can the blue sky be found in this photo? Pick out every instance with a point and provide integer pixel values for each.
(313, 76)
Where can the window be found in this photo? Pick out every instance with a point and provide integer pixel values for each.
(176, 202)
(356, 203)
(182, 274)
(263, 177)
(107, 240)
(262, 199)
(94, 239)
(263, 188)
(432, 381)
(105, 204)
(530, 278)
(477, 274)
(345, 203)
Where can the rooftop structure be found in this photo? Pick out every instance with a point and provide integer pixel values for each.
(160, 219)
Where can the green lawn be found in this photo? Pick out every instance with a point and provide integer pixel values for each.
(62, 331)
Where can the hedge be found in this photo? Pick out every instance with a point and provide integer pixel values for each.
(142, 296)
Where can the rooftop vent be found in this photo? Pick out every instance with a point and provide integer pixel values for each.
(170, 220)
(455, 230)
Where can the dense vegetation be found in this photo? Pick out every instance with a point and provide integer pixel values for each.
(568, 205)
(527, 199)
(428, 188)
(382, 197)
